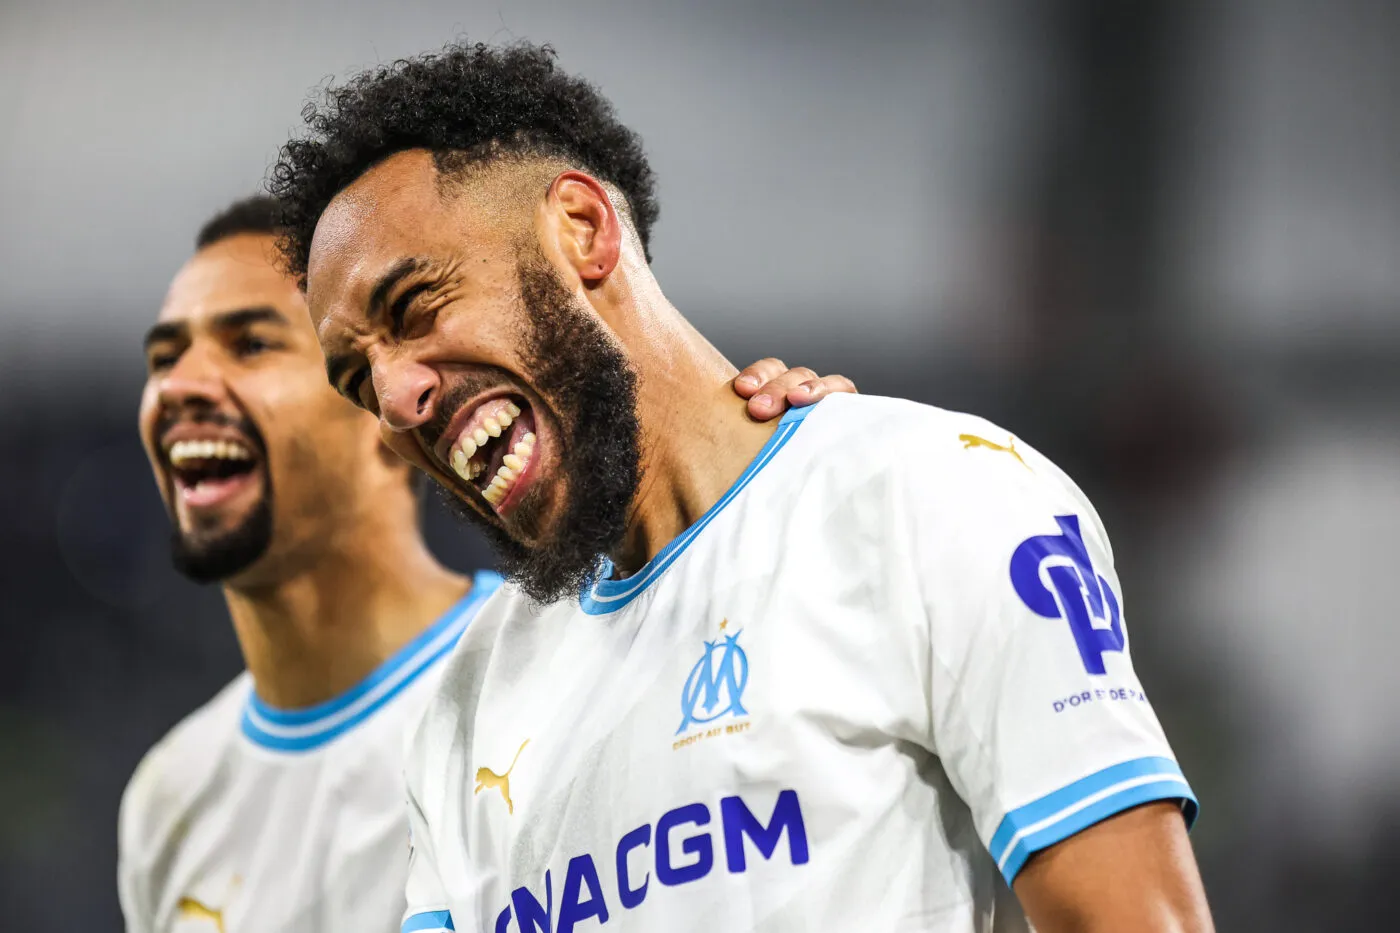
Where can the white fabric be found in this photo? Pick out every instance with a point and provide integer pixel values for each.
(245, 819)
(898, 706)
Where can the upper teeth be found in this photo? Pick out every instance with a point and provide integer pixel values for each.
(182, 451)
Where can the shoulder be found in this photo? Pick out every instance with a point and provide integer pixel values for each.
(901, 437)
(873, 427)
(970, 477)
(894, 434)
(174, 771)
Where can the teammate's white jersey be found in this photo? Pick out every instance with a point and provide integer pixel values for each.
(247, 819)
(886, 667)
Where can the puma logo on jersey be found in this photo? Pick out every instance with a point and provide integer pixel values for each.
(485, 778)
(189, 907)
(972, 440)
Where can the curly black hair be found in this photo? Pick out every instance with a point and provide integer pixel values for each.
(468, 104)
(256, 214)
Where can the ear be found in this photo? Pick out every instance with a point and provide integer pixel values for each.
(585, 225)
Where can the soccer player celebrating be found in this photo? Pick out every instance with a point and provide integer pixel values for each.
(278, 806)
(865, 669)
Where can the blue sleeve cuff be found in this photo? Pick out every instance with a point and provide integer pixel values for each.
(432, 921)
(1075, 807)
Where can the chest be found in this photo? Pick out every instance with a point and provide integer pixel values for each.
(694, 730)
(280, 846)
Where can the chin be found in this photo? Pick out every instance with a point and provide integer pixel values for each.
(209, 556)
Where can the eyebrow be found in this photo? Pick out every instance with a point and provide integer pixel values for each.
(336, 366)
(264, 314)
(227, 320)
(391, 277)
(165, 330)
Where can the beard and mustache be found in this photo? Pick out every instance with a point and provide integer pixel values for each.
(211, 557)
(578, 366)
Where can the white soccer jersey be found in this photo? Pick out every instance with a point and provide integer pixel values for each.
(248, 819)
(886, 667)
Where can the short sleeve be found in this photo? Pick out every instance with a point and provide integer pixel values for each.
(1034, 707)
(427, 902)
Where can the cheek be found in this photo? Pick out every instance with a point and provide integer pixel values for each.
(146, 423)
(295, 403)
(146, 414)
(490, 330)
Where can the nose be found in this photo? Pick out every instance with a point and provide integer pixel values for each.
(407, 393)
(193, 380)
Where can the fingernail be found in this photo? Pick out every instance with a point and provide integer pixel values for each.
(763, 401)
(748, 380)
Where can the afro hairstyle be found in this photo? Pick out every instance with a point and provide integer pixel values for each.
(468, 104)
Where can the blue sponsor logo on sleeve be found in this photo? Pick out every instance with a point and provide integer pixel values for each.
(1055, 579)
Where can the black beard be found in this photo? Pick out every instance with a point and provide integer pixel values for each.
(214, 559)
(574, 363)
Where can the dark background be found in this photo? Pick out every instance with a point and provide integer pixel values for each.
(1158, 240)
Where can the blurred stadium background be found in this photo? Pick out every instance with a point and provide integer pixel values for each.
(1158, 240)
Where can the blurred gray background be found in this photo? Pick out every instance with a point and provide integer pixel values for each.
(1160, 241)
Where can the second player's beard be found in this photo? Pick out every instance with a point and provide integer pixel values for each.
(578, 367)
(214, 558)
(211, 557)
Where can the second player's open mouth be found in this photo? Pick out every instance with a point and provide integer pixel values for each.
(207, 471)
(495, 450)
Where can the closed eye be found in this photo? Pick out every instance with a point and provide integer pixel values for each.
(399, 309)
(251, 345)
(159, 362)
(353, 386)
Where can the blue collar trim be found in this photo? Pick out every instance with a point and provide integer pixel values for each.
(302, 730)
(605, 595)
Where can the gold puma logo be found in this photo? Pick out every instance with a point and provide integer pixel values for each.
(189, 907)
(972, 440)
(485, 777)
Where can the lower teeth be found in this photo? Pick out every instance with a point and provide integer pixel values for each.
(513, 466)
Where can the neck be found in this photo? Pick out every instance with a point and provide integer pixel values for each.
(315, 634)
(697, 435)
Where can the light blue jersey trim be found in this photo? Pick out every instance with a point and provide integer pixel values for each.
(302, 730)
(605, 595)
(432, 921)
(1090, 800)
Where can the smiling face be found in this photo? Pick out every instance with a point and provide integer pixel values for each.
(256, 457)
(439, 312)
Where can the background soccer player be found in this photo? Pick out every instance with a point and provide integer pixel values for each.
(916, 691)
(279, 804)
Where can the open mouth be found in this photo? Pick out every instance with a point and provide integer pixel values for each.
(207, 471)
(495, 450)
